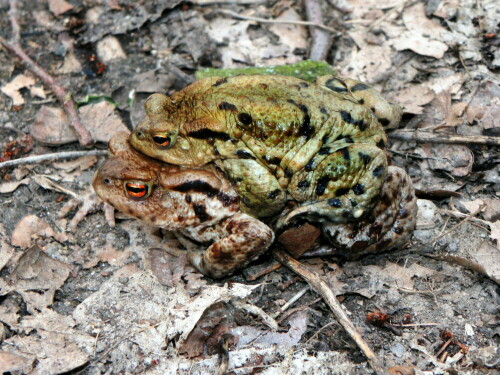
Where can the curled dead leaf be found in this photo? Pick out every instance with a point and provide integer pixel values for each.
(31, 226)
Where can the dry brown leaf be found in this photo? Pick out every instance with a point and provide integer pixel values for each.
(485, 106)
(56, 345)
(109, 49)
(31, 226)
(71, 64)
(12, 89)
(13, 363)
(473, 206)
(51, 127)
(455, 159)
(36, 278)
(58, 7)
(447, 9)
(370, 63)
(485, 260)
(492, 210)
(9, 187)
(416, 21)
(83, 163)
(413, 98)
(495, 232)
(420, 44)
(167, 268)
(394, 274)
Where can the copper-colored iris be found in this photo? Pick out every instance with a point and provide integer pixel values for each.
(136, 190)
(161, 140)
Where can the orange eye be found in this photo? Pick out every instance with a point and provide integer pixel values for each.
(162, 140)
(136, 190)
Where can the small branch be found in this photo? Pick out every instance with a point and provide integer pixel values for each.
(422, 136)
(64, 98)
(264, 20)
(16, 30)
(51, 157)
(318, 285)
(290, 302)
(321, 40)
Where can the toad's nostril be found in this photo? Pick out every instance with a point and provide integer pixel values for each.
(139, 134)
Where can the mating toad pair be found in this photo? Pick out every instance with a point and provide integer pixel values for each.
(217, 162)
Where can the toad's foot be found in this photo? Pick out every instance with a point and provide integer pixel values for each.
(87, 203)
(389, 225)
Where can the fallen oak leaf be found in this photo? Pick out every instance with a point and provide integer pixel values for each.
(31, 226)
(9, 187)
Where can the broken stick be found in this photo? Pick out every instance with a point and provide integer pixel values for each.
(320, 287)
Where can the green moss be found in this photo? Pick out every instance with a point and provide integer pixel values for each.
(307, 70)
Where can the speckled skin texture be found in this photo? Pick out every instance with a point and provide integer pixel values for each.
(197, 202)
(279, 138)
(387, 226)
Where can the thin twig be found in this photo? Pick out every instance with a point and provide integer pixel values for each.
(285, 22)
(429, 137)
(290, 302)
(455, 227)
(321, 40)
(318, 285)
(64, 98)
(55, 156)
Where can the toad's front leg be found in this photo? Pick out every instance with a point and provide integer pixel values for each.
(241, 239)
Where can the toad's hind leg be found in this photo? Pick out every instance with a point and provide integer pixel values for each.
(260, 192)
(242, 239)
(342, 183)
(387, 227)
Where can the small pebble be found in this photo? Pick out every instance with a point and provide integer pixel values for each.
(398, 350)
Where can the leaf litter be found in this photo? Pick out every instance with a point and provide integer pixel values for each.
(125, 302)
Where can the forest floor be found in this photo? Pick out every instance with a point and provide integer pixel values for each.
(97, 299)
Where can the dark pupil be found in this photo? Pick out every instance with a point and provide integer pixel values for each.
(161, 139)
(136, 189)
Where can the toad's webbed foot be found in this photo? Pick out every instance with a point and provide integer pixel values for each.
(87, 204)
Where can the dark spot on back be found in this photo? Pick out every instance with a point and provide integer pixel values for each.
(201, 212)
(361, 101)
(353, 203)
(377, 172)
(384, 121)
(245, 118)
(288, 173)
(274, 160)
(381, 143)
(304, 184)
(309, 166)
(358, 189)
(331, 85)
(153, 219)
(345, 138)
(208, 134)
(321, 185)
(273, 194)
(359, 86)
(398, 230)
(403, 213)
(366, 158)
(197, 186)
(227, 106)
(323, 110)
(219, 82)
(341, 191)
(324, 151)
(346, 117)
(188, 199)
(242, 154)
(345, 153)
(335, 202)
